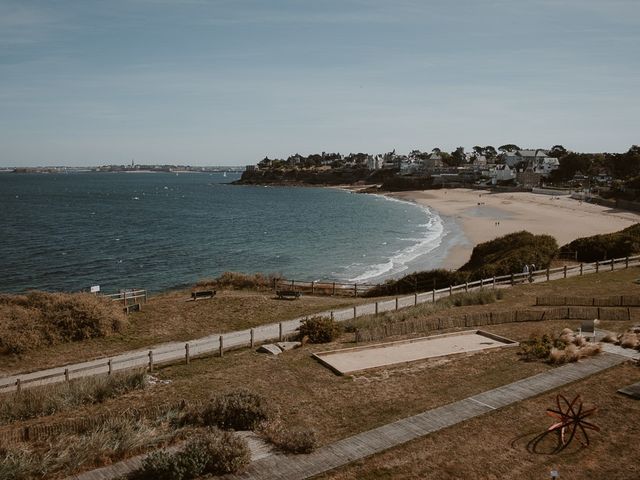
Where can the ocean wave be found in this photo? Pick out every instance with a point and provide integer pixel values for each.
(434, 232)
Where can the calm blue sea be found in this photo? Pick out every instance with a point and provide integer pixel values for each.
(161, 230)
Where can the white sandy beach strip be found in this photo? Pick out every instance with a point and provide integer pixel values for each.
(479, 211)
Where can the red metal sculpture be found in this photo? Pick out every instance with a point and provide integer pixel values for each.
(571, 421)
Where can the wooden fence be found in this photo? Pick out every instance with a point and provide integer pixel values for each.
(611, 301)
(218, 344)
(491, 318)
(39, 432)
(321, 287)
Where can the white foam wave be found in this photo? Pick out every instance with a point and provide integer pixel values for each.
(433, 235)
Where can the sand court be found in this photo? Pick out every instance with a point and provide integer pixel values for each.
(356, 359)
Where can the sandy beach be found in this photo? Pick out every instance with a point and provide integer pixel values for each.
(484, 216)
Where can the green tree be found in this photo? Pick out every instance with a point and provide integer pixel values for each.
(509, 147)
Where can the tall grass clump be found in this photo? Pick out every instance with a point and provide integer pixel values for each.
(63, 455)
(214, 452)
(238, 410)
(567, 347)
(241, 281)
(290, 439)
(38, 319)
(47, 400)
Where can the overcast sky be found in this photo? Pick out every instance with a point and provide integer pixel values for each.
(227, 82)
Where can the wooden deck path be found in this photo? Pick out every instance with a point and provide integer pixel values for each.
(269, 465)
(343, 452)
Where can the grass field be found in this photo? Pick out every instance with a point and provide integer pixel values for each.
(170, 317)
(307, 394)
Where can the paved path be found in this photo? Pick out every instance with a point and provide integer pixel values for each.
(269, 465)
(175, 351)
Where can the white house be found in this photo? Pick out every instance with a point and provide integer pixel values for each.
(501, 173)
(545, 165)
(374, 162)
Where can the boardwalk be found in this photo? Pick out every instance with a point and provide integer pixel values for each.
(176, 351)
(267, 465)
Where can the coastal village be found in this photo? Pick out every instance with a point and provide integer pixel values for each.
(508, 166)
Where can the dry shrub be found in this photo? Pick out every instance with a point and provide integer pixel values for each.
(290, 439)
(215, 452)
(239, 410)
(40, 401)
(320, 329)
(629, 340)
(590, 350)
(609, 338)
(39, 319)
(241, 281)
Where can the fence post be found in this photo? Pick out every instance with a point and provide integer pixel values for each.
(66, 374)
(334, 288)
(354, 311)
(512, 279)
(331, 315)
(433, 296)
(18, 385)
(110, 366)
(481, 283)
(612, 264)
(450, 290)
(355, 289)
(313, 287)
(187, 357)
(124, 298)
(376, 308)
(581, 266)
(494, 281)
(466, 286)
(565, 271)
(253, 338)
(415, 299)
(597, 266)
(626, 262)
(280, 334)
(547, 274)
(221, 346)
(151, 360)
(396, 303)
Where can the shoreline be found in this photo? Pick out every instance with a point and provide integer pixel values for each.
(483, 216)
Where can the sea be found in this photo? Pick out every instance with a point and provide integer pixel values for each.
(159, 231)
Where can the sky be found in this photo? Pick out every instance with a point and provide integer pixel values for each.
(207, 82)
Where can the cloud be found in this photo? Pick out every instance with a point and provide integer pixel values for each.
(23, 24)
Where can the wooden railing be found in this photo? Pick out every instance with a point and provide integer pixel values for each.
(218, 344)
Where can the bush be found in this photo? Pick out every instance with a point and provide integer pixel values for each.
(290, 439)
(536, 348)
(320, 329)
(602, 247)
(39, 319)
(240, 410)
(215, 452)
(501, 256)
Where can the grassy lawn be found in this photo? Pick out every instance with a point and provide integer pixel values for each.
(307, 394)
(494, 446)
(170, 317)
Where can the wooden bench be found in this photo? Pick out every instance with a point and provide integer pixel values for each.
(134, 307)
(202, 294)
(291, 294)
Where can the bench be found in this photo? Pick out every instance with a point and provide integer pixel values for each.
(202, 294)
(292, 294)
(588, 329)
(134, 307)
